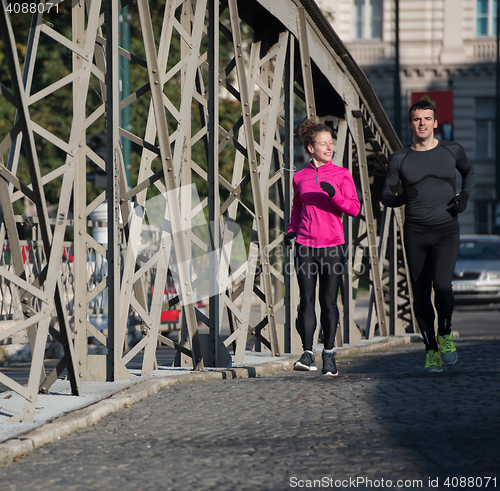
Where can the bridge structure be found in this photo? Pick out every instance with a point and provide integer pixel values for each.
(219, 81)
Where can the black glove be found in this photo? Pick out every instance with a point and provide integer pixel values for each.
(458, 204)
(288, 238)
(410, 193)
(327, 188)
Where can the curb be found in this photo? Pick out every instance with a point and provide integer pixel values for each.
(88, 416)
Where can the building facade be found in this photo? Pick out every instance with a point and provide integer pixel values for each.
(448, 54)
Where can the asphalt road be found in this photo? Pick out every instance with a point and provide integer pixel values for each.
(474, 321)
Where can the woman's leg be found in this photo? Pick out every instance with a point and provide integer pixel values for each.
(332, 265)
(306, 269)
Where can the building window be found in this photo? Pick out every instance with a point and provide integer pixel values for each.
(368, 19)
(485, 128)
(486, 17)
(485, 216)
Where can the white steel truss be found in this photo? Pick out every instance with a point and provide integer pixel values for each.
(262, 58)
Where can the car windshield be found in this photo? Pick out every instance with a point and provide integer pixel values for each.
(479, 249)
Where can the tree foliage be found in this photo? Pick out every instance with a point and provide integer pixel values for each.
(55, 113)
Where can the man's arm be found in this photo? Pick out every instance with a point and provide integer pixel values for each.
(459, 202)
(463, 166)
(468, 175)
(391, 185)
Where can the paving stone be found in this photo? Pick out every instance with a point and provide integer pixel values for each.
(382, 418)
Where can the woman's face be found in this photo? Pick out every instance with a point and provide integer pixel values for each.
(322, 150)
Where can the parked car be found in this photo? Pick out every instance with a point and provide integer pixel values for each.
(476, 278)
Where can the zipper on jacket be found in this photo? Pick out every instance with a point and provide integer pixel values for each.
(317, 172)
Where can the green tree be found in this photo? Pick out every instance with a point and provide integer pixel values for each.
(55, 113)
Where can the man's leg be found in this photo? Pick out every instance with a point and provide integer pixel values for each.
(444, 257)
(420, 266)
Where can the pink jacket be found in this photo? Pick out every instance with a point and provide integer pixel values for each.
(317, 218)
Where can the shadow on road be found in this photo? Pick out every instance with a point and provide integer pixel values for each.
(442, 426)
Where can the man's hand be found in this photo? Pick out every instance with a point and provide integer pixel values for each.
(410, 193)
(288, 238)
(327, 188)
(458, 204)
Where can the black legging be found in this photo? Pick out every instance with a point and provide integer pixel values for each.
(431, 253)
(328, 265)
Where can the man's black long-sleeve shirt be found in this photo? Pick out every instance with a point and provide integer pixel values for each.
(432, 173)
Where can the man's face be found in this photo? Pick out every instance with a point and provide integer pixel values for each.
(422, 124)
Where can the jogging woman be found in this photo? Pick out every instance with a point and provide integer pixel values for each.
(322, 193)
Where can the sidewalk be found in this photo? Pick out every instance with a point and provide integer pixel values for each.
(60, 414)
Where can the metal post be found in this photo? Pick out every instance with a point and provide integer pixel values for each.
(80, 214)
(213, 177)
(290, 311)
(125, 89)
(497, 123)
(113, 191)
(397, 81)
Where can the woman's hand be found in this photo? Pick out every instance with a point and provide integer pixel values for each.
(288, 238)
(327, 188)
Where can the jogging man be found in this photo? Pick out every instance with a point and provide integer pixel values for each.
(427, 172)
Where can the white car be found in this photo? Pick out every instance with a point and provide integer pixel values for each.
(476, 278)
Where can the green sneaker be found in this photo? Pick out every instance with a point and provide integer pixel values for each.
(447, 349)
(433, 361)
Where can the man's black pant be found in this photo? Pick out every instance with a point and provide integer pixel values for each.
(431, 252)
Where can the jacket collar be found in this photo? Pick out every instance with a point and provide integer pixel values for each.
(312, 166)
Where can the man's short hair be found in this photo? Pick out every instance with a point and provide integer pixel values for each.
(421, 104)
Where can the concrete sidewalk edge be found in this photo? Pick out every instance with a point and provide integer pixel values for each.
(90, 415)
